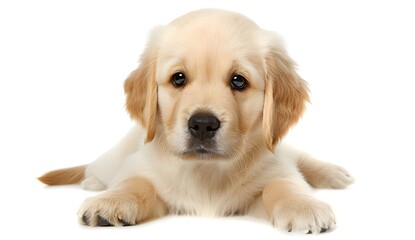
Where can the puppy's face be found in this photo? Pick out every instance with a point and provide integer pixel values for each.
(215, 86)
(210, 88)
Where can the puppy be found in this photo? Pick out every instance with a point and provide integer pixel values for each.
(213, 96)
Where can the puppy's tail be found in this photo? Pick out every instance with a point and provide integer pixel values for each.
(64, 176)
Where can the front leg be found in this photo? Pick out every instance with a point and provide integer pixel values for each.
(132, 201)
(292, 208)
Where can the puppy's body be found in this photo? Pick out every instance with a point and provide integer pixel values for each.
(209, 188)
(213, 96)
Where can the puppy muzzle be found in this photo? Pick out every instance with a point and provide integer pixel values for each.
(202, 129)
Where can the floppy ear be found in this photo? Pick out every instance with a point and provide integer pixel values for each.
(141, 90)
(285, 96)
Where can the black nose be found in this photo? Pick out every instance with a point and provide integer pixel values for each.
(203, 125)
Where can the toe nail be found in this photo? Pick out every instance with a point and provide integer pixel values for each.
(323, 230)
(309, 232)
(85, 219)
(124, 223)
(102, 222)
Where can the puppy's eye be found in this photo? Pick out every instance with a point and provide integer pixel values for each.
(238, 82)
(178, 79)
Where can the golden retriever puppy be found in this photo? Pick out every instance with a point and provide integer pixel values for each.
(213, 96)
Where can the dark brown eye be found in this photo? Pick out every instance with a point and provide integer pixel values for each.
(238, 82)
(178, 79)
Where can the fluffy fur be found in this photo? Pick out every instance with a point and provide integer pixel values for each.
(244, 169)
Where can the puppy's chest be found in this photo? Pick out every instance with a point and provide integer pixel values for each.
(205, 192)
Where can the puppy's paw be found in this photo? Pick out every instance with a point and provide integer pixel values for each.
(333, 176)
(110, 210)
(303, 215)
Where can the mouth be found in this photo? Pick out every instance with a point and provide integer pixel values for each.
(202, 152)
(202, 149)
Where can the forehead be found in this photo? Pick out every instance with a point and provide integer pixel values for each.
(211, 45)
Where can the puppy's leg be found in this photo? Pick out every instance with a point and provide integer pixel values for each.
(100, 173)
(130, 202)
(321, 174)
(292, 208)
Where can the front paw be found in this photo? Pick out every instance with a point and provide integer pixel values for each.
(303, 215)
(109, 210)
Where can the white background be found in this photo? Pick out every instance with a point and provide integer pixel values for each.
(63, 63)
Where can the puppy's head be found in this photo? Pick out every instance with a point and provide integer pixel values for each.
(213, 85)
